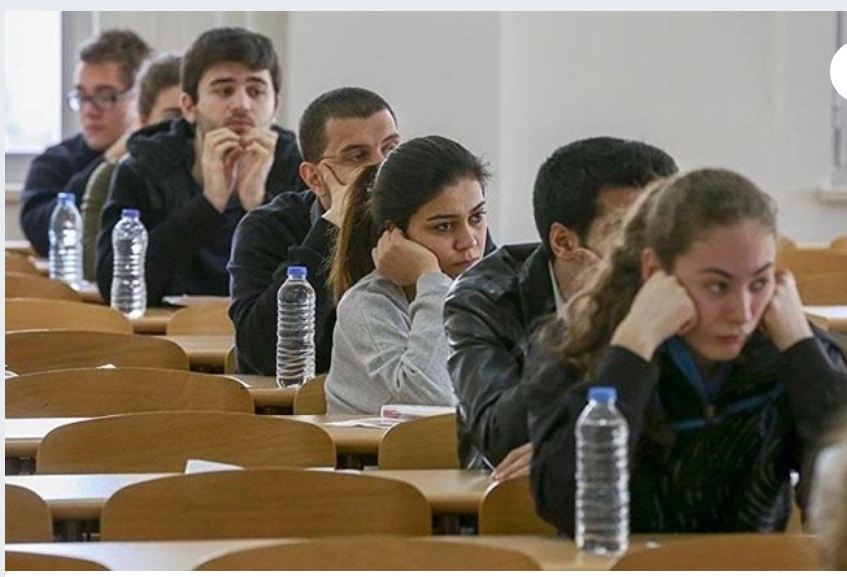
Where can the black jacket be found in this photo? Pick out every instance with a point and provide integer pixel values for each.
(490, 313)
(189, 240)
(287, 231)
(65, 167)
(730, 472)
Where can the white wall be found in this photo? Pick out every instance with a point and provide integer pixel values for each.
(750, 91)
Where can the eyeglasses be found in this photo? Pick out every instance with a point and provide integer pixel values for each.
(104, 99)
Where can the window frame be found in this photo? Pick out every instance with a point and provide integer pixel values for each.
(76, 28)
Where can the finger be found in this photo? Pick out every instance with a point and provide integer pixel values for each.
(330, 177)
(515, 456)
(518, 464)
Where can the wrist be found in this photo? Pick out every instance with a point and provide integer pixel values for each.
(635, 341)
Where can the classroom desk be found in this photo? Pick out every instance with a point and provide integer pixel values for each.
(154, 322)
(268, 398)
(81, 497)
(829, 318)
(19, 246)
(23, 436)
(204, 350)
(553, 554)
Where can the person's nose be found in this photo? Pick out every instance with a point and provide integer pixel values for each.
(740, 308)
(466, 238)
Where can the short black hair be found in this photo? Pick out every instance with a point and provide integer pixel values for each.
(124, 47)
(569, 182)
(253, 50)
(346, 102)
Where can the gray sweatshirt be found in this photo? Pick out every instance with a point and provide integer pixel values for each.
(387, 351)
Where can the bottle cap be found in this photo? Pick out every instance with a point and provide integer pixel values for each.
(67, 197)
(297, 271)
(130, 213)
(602, 394)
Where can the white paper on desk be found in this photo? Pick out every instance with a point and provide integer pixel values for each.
(107, 366)
(203, 466)
(406, 412)
(370, 423)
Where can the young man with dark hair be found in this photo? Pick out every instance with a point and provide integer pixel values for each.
(339, 131)
(104, 98)
(195, 178)
(581, 194)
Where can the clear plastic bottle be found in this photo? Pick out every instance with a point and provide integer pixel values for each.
(602, 475)
(129, 247)
(65, 258)
(295, 345)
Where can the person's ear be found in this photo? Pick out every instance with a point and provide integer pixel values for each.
(186, 103)
(649, 263)
(563, 241)
(312, 177)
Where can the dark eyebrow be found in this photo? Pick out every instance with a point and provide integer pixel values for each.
(230, 80)
(725, 274)
(475, 209)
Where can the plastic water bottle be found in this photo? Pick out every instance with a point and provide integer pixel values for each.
(602, 475)
(295, 345)
(65, 258)
(129, 245)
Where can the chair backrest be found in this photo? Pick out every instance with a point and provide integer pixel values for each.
(310, 398)
(839, 243)
(823, 289)
(807, 261)
(383, 553)
(202, 319)
(507, 508)
(260, 503)
(20, 263)
(21, 561)
(164, 440)
(28, 520)
(25, 313)
(20, 285)
(422, 443)
(736, 552)
(98, 392)
(50, 349)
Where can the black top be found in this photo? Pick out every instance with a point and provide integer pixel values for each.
(490, 314)
(287, 231)
(730, 473)
(65, 167)
(189, 240)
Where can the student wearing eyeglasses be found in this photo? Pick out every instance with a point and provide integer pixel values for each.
(104, 99)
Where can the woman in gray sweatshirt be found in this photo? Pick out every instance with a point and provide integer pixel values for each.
(411, 225)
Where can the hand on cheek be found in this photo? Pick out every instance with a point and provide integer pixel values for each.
(784, 319)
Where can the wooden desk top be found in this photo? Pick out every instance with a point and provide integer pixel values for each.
(551, 553)
(449, 491)
(23, 436)
(154, 321)
(204, 350)
(78, 497)
(829, 318)
(265, 392)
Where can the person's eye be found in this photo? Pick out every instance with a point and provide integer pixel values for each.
(389, 147)
(477, 218)
(444, 227)
(760, 284)
(223, 91)
(355, 157)
(106, 98)
(256, 91)
(717, 287)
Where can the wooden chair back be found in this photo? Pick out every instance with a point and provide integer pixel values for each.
(165, 440)
(423, 443)
(507, 508)
(263, 503)
(310, 398)
(732, 552)
(21, 561)
(20, 263)
(808, 261)
(19, 285)
(231, 362)
(823, 289)
(26, 313)
(28, 519)
(47, 349)
(202, 319)
(381, 553)
(839, 243)
(785, 243)
(99, 392)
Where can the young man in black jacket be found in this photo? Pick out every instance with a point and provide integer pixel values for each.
(339, 131)
(195, 178)
(581, 193)
(104, 97)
